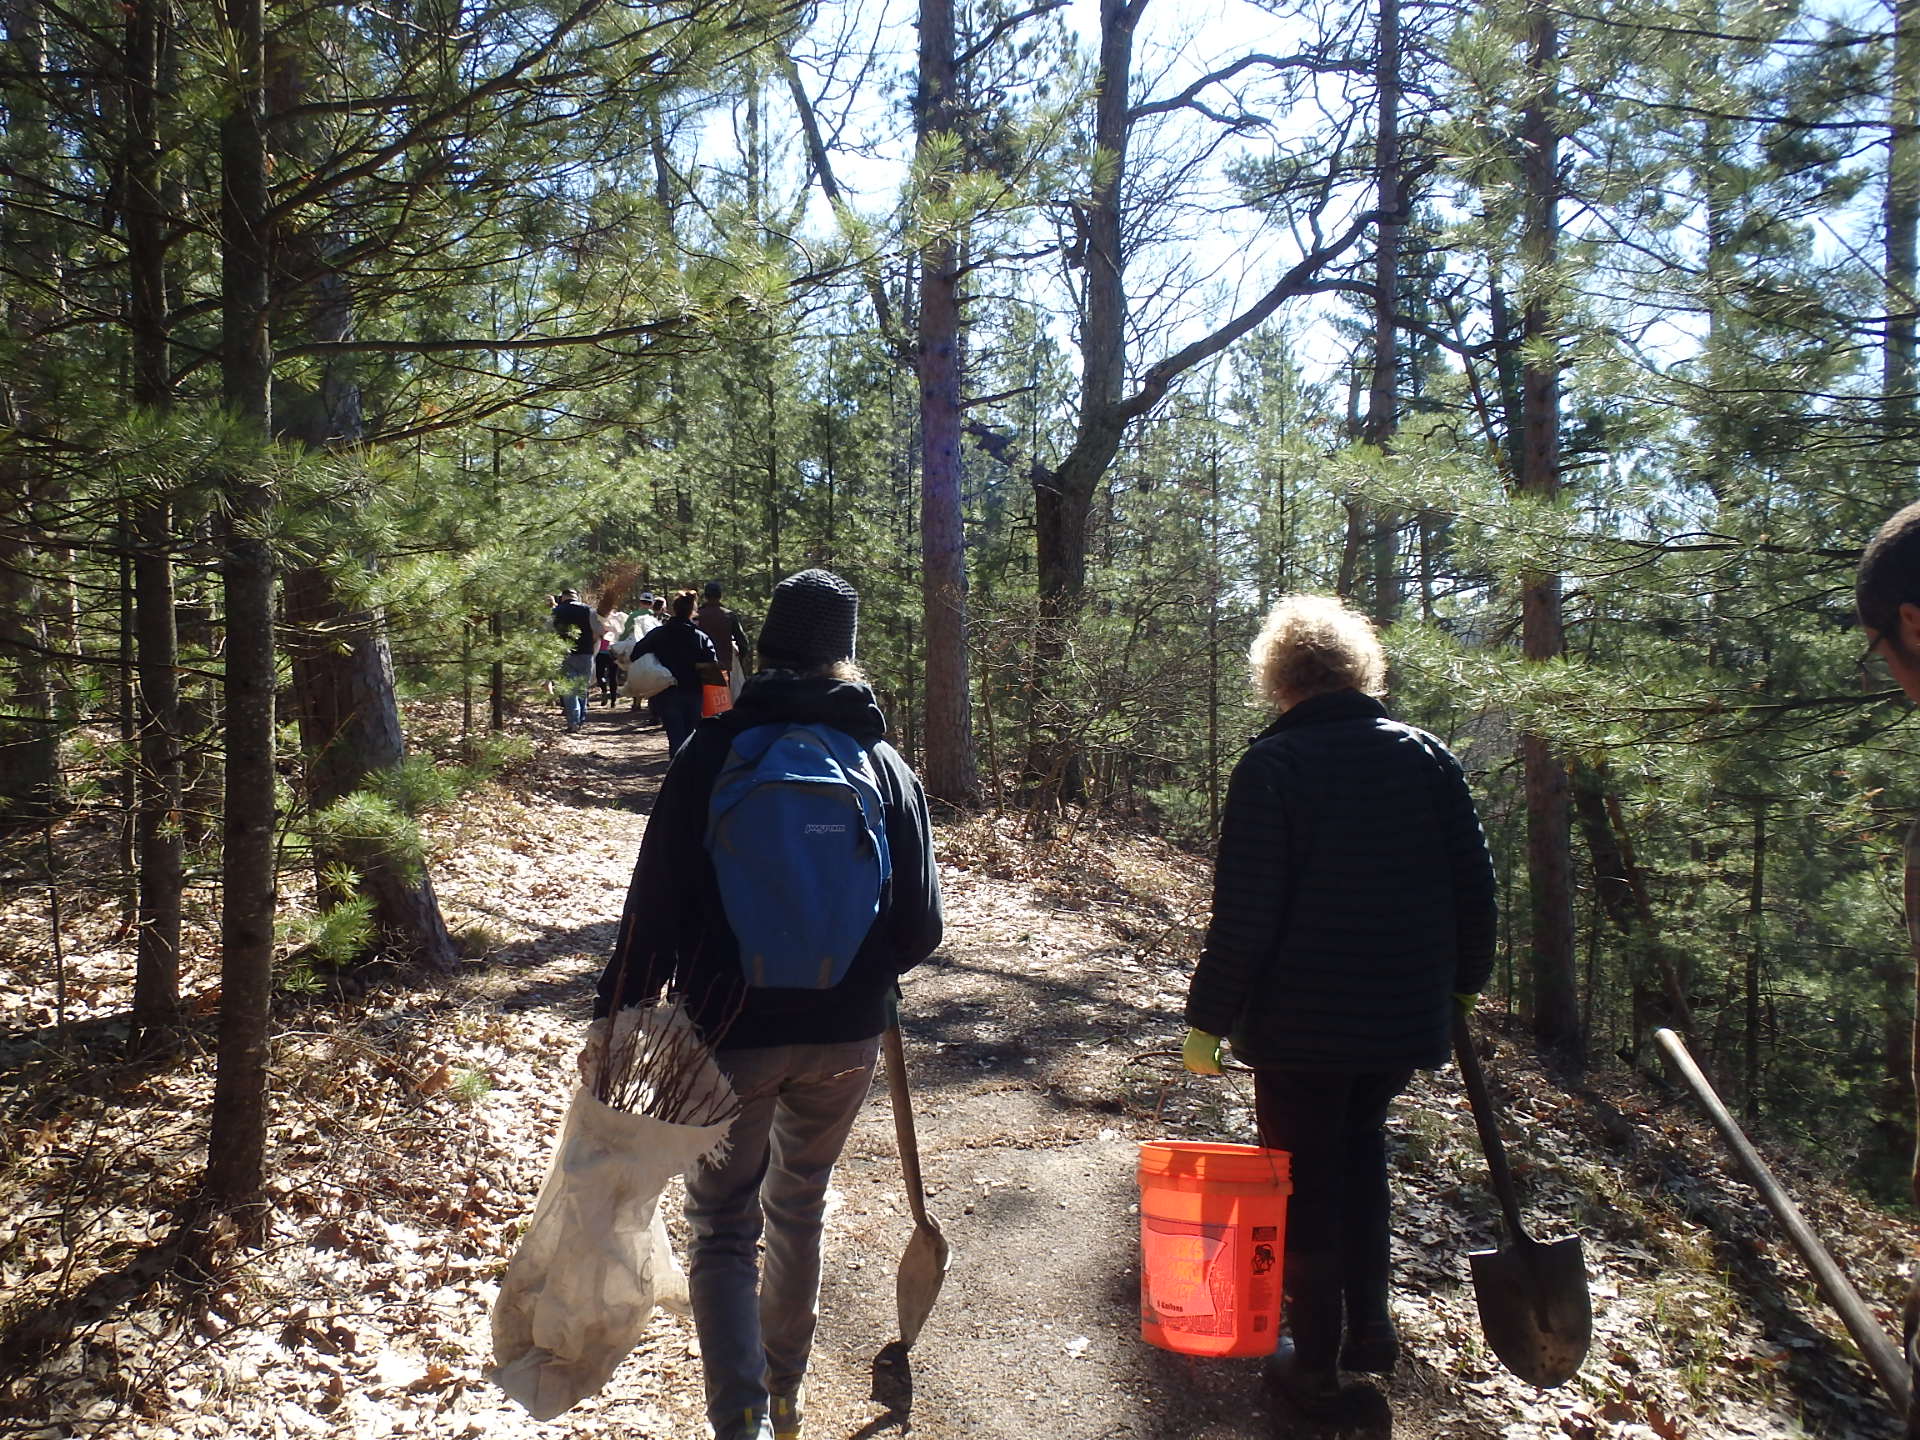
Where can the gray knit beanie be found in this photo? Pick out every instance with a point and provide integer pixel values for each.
(810, 621)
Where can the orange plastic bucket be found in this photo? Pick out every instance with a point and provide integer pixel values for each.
(1213, 1229)
(715, 699)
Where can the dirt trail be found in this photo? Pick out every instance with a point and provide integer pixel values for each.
(1020, 1035)
(414, 1123)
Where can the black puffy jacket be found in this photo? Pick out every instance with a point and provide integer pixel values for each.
(682, 647)
(1353, 894)
(675, 930)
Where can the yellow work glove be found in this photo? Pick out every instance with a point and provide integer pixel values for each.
(1463, 1004)
(1201, 1053)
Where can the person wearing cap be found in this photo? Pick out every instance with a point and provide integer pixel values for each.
(801, 1060)
(575, 623)
(1353, 911)
(724, 629)
(642, 619)
(683, 648)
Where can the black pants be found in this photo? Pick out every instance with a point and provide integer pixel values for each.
(1338, 1250)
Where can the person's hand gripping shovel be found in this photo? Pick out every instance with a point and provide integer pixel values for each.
(923, 1268)
(1532, 1294)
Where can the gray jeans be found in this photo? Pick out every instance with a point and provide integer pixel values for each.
(799, 1103)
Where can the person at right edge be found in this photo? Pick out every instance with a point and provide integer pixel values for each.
(1886, 597)
(1353, 910)
(801, 1060)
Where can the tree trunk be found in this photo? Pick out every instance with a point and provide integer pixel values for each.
(950, 771)
(343, 691)
(1556, 1014)
(1383, 414)
(236, 1151)
(1622, 893)
(159, 836)
(1902, 216)
(1063, 497)
(349, 730)
(1756, 911)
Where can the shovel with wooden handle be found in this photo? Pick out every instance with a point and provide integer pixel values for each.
(1532, 1294)
(923, 1268)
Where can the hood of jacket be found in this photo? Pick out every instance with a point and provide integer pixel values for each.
(781, 696)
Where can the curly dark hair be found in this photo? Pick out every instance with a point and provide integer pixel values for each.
(1889, 575)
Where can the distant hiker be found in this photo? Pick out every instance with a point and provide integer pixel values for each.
(1353, 908)
(1886, 595)
(580, 627)
(606, 665)
(643, 619)
(728, 635)
(799, 1045)
(683, 648)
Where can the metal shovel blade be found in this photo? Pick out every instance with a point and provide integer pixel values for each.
(923, 1270)
(1534, 1307)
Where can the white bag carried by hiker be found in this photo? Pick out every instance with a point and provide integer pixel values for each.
(596, 1258)
(647, 677)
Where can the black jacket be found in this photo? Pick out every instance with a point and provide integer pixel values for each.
(1353, 894)
(682, 647)
(573, 622)
(675, 928)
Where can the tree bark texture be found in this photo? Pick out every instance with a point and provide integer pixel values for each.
(349, 715)
(1063, 496)
(949, 767)
(350, 729)
(237, 1144)
(1902, 213)
(1556, 1006)
(1756, 916)
(1383, 411)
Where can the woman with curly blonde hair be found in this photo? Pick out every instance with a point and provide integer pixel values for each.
(1353, 906)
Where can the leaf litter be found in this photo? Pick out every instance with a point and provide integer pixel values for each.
(414, 1120)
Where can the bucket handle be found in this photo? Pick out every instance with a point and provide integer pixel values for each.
(1227, 1067)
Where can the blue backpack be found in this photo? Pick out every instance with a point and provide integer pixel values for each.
(799, 844)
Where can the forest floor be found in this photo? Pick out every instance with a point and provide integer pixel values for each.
(414, 1121)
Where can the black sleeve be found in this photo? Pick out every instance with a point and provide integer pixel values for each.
(1251, 894)
(662, 920)
(1476, 908)
(914, 921)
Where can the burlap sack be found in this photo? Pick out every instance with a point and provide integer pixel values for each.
(595, 1258)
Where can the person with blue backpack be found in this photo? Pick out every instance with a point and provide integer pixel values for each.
(786, 881)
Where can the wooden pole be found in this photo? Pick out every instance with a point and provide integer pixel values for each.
(1880, 1353)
